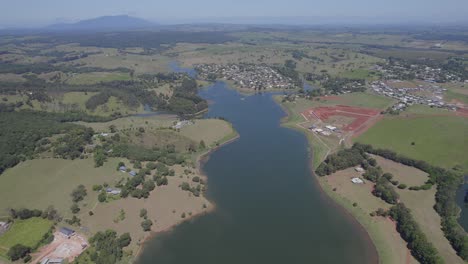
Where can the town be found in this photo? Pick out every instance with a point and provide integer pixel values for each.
(425, 94)
(245, 76)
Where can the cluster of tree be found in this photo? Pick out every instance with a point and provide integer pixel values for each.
(131, 186)
(19, 251)
(21, 135)
(343, 159)
(185, 186)
(385, 191)
(72, 144)
(448, 182)
(337, 85)
(79, 193)
(185, 100)
(420, 247)
(50, 213)
(106, 247)
(289, 70)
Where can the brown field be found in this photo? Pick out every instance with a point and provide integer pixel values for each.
(164, 205)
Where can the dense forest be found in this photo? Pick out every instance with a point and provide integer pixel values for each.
(24, 134)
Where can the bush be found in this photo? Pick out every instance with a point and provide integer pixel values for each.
(79, 193)
(143, 213)
(102, 197)
(75, 208)
(146, 225)
(27, 259)
(196, 179)
(18, 251)
(402, 186)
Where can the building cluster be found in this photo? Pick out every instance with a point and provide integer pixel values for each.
(325, 131)
(255, 77)
(430, 95)
(397, 70)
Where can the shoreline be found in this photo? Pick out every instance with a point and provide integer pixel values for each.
(200, 160)
(329, 198)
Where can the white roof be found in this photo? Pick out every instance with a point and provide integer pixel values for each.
(357, 180)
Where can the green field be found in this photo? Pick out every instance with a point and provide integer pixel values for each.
(365, 100)
(439, 140)
(26, 232)
(36, 184)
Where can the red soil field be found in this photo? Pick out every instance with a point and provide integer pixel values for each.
(359, 114)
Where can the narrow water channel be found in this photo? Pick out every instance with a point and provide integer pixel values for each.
(269, 207)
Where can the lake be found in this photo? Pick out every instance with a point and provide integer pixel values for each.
(269, 207)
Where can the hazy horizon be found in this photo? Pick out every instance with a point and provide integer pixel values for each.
(28, 13)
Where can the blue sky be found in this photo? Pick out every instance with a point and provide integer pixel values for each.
(40, 12)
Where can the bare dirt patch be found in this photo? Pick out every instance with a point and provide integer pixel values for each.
(359, 115)
(62, 248)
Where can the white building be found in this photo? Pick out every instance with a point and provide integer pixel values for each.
(357, 181)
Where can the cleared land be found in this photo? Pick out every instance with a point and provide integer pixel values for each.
(359, 115)
(439, 140)
(27, 232)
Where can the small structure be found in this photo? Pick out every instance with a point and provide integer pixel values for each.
(113, 191)
(332, 128)
(182, 123)
(357, 180)
(132, 173)
(52, 261)
(123, 169)
(67, 232)
(359, 169)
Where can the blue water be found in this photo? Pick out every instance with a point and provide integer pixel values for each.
(269, 208)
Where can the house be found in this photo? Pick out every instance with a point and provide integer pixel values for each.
(52, 261)
(332, 128)
(359, 169)
(182, 123)
(123, 169)
(67, 232)
(132, 173)
(113, 191)
(357, 181)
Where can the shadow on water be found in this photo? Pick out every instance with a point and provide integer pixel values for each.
(269, 207)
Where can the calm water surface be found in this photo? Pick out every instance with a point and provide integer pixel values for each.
(269, 207)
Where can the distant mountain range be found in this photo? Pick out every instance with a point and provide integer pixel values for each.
(104, 23)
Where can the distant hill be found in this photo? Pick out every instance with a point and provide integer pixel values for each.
(104, 23)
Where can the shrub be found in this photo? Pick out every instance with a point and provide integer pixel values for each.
(18, 251)
(402, 186)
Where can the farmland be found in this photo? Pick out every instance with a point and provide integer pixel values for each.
(439, 140)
